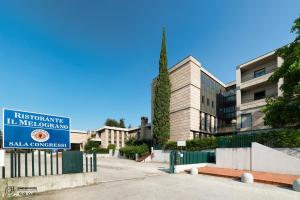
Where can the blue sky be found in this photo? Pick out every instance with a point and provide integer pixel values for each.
(91, 60)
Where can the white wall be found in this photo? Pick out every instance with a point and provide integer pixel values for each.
(160, 156)
(233, 158)
(257, 158)
(270, 160)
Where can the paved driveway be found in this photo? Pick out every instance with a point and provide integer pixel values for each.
(124, 179)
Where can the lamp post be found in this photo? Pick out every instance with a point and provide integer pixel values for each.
(233, 122)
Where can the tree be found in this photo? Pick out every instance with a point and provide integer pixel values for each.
(161, 99)
(285, 110)
(122, 123)
(115, 123)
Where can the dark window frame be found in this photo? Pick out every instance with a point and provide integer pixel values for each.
(207, 101)
(202, 99)
(259, 73)
(259, 95)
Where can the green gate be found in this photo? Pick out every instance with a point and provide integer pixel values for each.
(190, 157)
(72, 162)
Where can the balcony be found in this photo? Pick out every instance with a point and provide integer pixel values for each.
(253, 104)
(255, 81)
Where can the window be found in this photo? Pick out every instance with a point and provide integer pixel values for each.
(246, 121)
(259, 73)
(259, 95)
(207, 101)
(202, 99)
(212, 104)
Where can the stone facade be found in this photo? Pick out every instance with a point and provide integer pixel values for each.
(253, 88)
(185, 103)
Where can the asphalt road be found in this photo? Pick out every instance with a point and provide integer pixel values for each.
(124, 179)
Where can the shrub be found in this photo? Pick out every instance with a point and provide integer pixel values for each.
(131, 150)
(194, 145)
(93, 147)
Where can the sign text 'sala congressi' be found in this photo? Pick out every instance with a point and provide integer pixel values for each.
(34, 130)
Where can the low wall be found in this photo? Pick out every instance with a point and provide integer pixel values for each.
(233, 158)
(258, 158)
(48, 183)
(270, 160)
(295, 152)
(160, 156)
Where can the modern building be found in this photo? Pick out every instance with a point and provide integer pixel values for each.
(253, 88)
(197, 101)
(202, 105)
(78, 139)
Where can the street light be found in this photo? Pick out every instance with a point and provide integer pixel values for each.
(233, 122)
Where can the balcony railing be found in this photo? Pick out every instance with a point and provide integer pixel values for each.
(248, 78)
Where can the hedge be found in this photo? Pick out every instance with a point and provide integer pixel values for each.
(98, 150)
(194, 145)
(288, 138)
(130, 150)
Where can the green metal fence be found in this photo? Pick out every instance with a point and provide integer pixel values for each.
(190, 157)
(236, 141)
(42, 163)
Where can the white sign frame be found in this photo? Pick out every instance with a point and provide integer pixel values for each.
(181, 143)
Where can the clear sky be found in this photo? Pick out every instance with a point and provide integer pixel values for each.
(90, 60)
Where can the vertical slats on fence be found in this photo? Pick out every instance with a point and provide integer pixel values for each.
(26, 169)
(11, 165)
(91, 162)
(86, 164)
(15, 160)
(56, 162)
(171, 163)
(32, 163)
(95, 161)
(45, 162)
(19, 164)
(39, 162)
(3, 172)
(51, 162)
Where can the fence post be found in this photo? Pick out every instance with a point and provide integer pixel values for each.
(45, 161)
(56, 161)
(15, 160)
(32, 163)
(86, 163)
(39, 162)
(11, 165)
(95, 161)
(91, 162)
(26, 172)
(3, 172)
(172, 159)
(51, 163)
(19, 164)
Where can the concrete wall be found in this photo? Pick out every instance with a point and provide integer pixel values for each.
(48, 183)
(160, 156)
(257, 158)
(270, 160)
(233, 158)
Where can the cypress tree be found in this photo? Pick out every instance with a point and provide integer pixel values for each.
(161, 99)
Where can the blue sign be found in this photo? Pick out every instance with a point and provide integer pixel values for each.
(27, 130)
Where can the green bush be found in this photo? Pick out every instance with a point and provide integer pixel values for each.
(194, 145)
(93, 147)
(130, 150)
